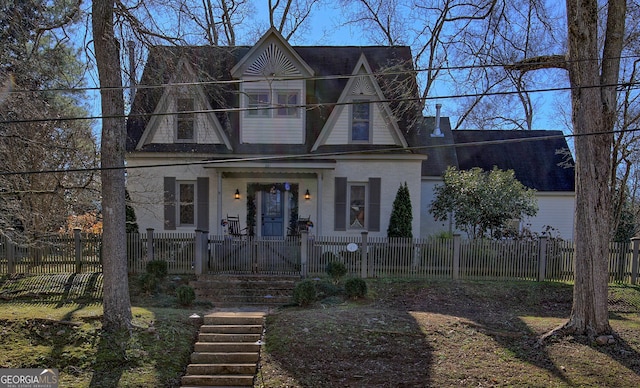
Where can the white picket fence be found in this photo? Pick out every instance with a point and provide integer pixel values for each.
(307, 255)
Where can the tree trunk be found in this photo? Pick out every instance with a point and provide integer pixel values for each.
(592, 123)
(117, 305)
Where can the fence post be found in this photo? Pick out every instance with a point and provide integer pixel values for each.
(78, 247)
(455, 270)
(635, 241)
(200, 251)
(150, 244)
(11, 256)
(304, 253)
(364, 271)
(542, 258)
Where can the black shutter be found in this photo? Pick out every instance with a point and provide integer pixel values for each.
(169, 203)
(340, 204)
(374, 204)
(202, 209)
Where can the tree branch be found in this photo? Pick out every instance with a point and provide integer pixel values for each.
(541, 62)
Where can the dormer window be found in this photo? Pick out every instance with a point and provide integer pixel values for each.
(257, 100)
(276, 103)
(360, 121)
(287, 104)
(185, 121)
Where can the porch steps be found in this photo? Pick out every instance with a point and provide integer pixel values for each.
(227, 350)
(245, 290)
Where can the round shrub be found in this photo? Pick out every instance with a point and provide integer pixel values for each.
(355, 288)
(148, 282)
(336, 270)
(326, 289)
(158, 268)
(304, 293)
(186, 295)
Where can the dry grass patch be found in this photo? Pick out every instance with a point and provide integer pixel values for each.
(445, 334)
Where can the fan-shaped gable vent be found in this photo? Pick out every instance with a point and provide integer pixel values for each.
(362, 86)
(273, 62)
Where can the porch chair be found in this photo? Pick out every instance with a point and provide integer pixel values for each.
(233, 225)
(304, 224)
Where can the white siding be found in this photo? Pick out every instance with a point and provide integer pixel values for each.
(554, 210)
(393, 174)
(340, 131)
(428, 225)
(273, 130)
(205, 132)
(146, 188)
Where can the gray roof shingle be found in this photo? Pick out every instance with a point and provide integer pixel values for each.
(532, 155)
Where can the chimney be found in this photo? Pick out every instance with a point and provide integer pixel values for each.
(436, 131)
(132, 70)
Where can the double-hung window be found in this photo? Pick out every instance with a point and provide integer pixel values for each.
(272, 103)
(287, 104)
(257, 103)
(357, 205)
(360, 121)
(186, 194)
(185, 121)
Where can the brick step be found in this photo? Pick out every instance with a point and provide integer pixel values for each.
(231, 329)
(248, 278)
(220, 369)
(231, 301)
(226, 347)
(226, 337)
(249, 289)
(223, 358)
(217, 380)
(254, 290)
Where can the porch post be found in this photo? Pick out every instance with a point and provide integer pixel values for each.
(455, 270)
(542, 258)
(364, 272)
(304, 253)
(635, 241)
(200, 251)
(149, 244)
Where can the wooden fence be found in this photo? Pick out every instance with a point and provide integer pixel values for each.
(307, 255)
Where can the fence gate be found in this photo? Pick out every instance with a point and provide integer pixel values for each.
(254, 255)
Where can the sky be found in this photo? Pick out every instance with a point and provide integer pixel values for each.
(325, 29)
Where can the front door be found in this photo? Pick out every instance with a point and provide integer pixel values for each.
(272, 213)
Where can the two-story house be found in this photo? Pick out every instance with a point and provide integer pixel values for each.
(272, 133)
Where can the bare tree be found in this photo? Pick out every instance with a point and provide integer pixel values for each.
(593, 76)
(117, 305)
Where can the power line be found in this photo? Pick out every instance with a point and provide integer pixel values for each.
(317, 155)
(314, 78)
(316, 106)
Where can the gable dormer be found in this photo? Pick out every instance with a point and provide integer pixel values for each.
(273, 92)
(362, 114)
(184, 114)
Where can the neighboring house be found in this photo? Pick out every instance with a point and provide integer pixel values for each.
(541, 160)
(273, 133)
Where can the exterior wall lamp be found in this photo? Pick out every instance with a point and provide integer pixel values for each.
(307, 196)
(237, 194)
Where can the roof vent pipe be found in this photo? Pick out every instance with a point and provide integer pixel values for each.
(436, 131)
